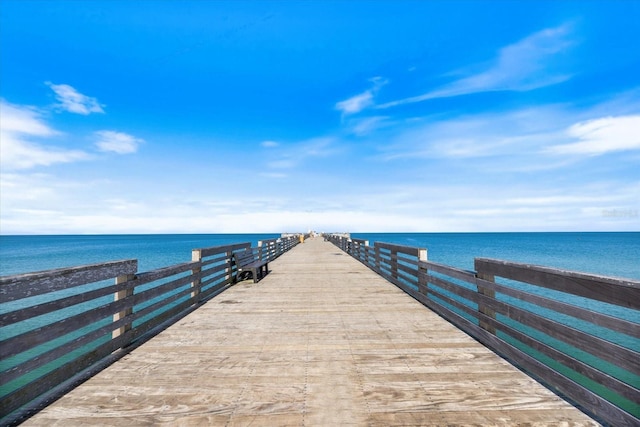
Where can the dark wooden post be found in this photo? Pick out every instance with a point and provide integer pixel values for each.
(118, 296)
(483, 290)
(393, 261)
(423, 283)
(196, 255)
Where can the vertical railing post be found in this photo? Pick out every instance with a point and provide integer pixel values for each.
(483, 290)
(196, 255)
(423, 283)
(260, 249)
(393, 254)
(377, 258)
(228, 277)
(121, 295)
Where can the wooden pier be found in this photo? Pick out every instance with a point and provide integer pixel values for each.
(322, 340)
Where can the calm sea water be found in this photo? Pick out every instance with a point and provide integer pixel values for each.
(611, 254)
(22, 254)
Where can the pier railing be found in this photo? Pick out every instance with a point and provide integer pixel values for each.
(59, 327)
(579, 334)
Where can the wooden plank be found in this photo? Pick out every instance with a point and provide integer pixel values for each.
(518, 358)
(622, 292)
(29, 392)
(408, 250)
(21, 314)
(456, 273)
(596, 405)
(215, 250)
(221, 276)
(157, 291)
(605, 350)
(58, 352)
(613, 384)
(33, 338)
(31, 284)
(600, 319)
(140, 313)
(461, 291)
(162, 273)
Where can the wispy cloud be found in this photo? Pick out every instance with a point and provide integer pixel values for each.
(18, 126)
(117, 142)
(601, 136)
(367, 125)
(291, 156)
(516, 133)
(269, 144)
(359, 102)
(528, 64)
(73, 101)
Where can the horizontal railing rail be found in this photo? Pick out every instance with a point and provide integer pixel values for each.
(59, 327)
(578, 334)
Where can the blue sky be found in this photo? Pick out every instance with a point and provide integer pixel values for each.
(197, 117)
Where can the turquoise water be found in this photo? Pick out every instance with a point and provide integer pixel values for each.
(611, 254)
(23, 254)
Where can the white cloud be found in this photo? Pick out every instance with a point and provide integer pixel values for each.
(366, 126)
(23, 120)
(514, 133)
(359, 102)
(18, 126)
(269, 144)
(73, 101)
(528, 64)
(296, 154)
(356, 103)
(117, 142)
(601, 136)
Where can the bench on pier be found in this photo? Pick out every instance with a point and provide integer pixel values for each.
(247, 262)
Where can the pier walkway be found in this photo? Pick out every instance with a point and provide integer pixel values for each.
(320, 341)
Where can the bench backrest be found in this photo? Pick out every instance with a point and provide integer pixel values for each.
(244, 258)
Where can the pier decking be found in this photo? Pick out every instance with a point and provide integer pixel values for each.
(321, 340)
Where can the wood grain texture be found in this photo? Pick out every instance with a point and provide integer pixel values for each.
(31, 284)
(612, 290)
(322, 340)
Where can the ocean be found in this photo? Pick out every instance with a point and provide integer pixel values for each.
(609, 254)
(23, 254)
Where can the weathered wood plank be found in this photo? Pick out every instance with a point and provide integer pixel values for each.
(162, 273)
(56, 353)
(613, 384)
(605, 350)
(31, 284)
(33, 338)
(215, 250)
(597, 405)
(43, 384)
(456, 273)
(21, 314)
(600, 319)
(408, 250)
(622, 292)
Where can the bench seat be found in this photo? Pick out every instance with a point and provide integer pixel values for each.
(247, 262)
